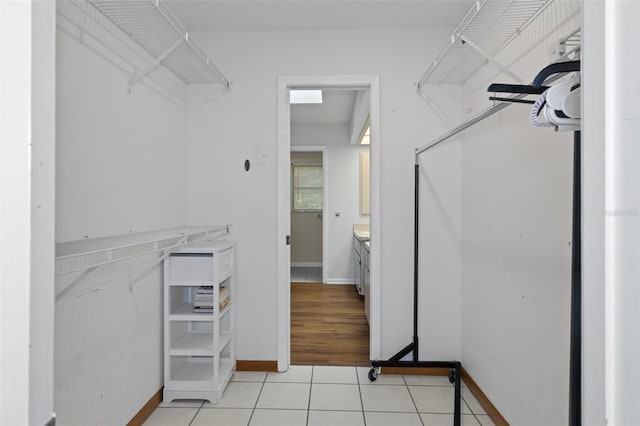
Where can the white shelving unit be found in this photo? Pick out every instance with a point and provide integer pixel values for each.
(199, 347)
(152, 25)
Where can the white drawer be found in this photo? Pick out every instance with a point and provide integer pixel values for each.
(225, 264)
(191, 267)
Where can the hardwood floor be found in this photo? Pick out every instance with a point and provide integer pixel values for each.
(328, 325)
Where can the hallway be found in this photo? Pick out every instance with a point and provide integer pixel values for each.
(328, 325)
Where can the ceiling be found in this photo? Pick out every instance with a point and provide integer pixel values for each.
(336, 108)
(243, 15)
(286, 15)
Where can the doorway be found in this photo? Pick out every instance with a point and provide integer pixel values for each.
(308, 220)
(328, 314)
(285, 84)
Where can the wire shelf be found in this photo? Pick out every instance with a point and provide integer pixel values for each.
(155, 28)
(488, 27)
(78, 256)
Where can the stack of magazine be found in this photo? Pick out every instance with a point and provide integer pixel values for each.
(203, 299)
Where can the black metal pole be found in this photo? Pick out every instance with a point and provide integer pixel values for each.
(457, 406)
(575, 355)
(396, 360)
(416, 260)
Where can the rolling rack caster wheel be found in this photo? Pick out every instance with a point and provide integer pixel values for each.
(452, 375)
(373, 374)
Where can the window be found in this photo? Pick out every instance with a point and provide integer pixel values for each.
(305, 97)
(306, 188)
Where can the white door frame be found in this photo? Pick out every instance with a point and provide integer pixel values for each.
(283, 217)
(325, 201)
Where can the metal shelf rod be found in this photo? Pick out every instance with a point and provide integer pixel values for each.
(465, 125)
(476, 119)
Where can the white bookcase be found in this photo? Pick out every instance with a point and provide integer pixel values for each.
(199, 346)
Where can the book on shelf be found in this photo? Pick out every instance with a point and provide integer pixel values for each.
(224, 297)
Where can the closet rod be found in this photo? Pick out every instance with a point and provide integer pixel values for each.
(477, 118)
(465, 125)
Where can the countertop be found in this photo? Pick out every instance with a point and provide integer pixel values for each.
(361, 236)
(361, 232)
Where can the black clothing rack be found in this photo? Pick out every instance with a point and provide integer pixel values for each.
(396, 360)
(548, 74)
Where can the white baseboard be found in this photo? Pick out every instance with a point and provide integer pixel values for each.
(306, 264)
(341, 281)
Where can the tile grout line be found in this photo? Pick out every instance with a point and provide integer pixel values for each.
(364, 418)
(197, 412)
(473, 413)
(255, 405)
(470, 409)
(412, 400)
(310, 390)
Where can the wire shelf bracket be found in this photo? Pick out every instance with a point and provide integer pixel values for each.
(152, 25)
(491, 59)
(137, 77)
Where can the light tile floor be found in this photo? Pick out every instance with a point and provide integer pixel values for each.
(326, 396)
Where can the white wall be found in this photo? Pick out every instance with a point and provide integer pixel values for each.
(343, 166)
(242, 125)
(593, 214)
(516, 233)
(27, 165)
(622, 212)
(440, 253)
(121, 161)
(610, 206)
(43, 168)
(108, 344)
(121, 156)
(516, 241)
